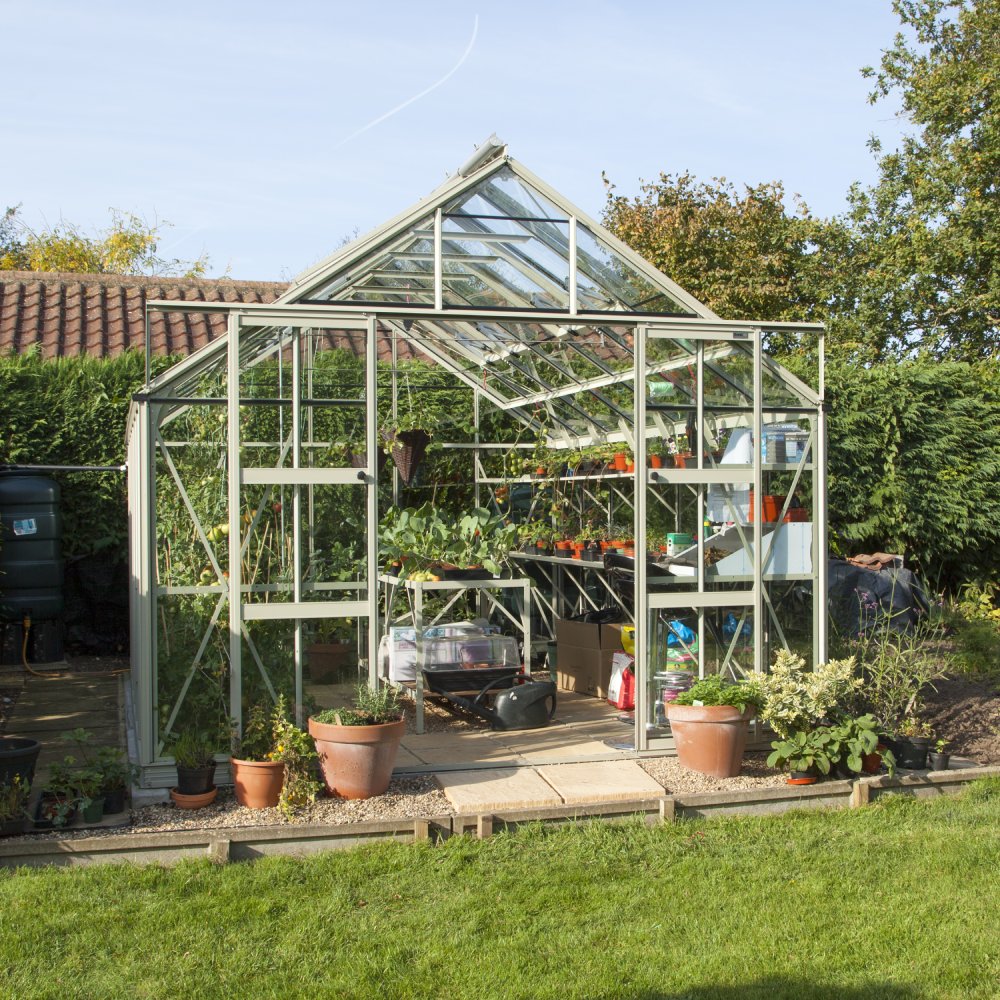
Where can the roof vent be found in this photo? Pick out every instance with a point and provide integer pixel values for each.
(483, 154)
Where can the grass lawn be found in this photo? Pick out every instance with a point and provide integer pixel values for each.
(897, 900)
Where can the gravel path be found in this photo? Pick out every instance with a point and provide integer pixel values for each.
(678, 780)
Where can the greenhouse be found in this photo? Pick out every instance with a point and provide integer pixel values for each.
(490, 372)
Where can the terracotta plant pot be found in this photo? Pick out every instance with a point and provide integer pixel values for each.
(198, 801)
(871, 763)
(357, 761)
(327, 659)
(710, 739)
(257, 783)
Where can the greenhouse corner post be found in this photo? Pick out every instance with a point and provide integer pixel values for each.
(757, 527)
(371, 492)
(235, 563)
(640, 599)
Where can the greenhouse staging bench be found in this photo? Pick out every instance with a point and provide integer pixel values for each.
(247, 843)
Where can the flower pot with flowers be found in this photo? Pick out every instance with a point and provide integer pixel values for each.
(357, 746)
(272, 761)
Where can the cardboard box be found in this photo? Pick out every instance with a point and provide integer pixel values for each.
(586, 635)
(583, 670)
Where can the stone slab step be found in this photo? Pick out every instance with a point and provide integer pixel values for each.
(496, 789)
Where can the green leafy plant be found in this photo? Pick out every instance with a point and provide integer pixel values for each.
(716, 690)
(941, 746)
(851, 739)
(804, 750)
(372, 706)
(193, 749)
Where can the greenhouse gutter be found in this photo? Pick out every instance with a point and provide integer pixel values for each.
(248, 843)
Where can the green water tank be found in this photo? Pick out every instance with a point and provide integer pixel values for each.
(31, 565)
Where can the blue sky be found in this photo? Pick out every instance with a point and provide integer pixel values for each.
(244, 124)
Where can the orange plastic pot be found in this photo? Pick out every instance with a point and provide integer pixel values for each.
(770, 509)
(357, 761)
(710, 739)
(257, 783)
(620, 461)
(655, 462)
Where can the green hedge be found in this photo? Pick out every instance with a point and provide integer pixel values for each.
(914, 454)
(914, 462)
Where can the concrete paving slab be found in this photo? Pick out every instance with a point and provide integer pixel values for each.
(600, 781)
(406, 759)
(496, 789)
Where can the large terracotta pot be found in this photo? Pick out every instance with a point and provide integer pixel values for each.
(356, 761)
(710, 738)
(258, 782)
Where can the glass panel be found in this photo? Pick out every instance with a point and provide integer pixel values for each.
(605, 280)
(788, 618)
(192, 668)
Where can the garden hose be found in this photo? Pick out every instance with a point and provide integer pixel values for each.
(26, 627)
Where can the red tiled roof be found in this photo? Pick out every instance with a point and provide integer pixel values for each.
(104, 314)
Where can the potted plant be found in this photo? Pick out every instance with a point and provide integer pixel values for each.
(806, 755)
(709, 723)
(194, 756)
(334, 648)
(58, 802)
(273, 762)
(939, 757)
(257, 776)
(851, 740)
(357, 746)
(912, 742)
(407, 436)
(18, 755)
(117, 774)
(13, 806)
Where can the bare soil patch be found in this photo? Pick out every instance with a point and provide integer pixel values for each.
(967, 713)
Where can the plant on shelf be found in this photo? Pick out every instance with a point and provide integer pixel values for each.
(357, 746)
(804, 753)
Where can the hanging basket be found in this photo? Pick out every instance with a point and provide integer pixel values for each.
(408, 449)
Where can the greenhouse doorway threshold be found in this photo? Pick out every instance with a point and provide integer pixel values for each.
(583, 729)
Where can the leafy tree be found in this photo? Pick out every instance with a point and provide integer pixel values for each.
(127, 246)
(924, 262)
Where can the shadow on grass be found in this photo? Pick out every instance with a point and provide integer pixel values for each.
(779, 988)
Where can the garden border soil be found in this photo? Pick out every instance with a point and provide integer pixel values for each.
(222, 845)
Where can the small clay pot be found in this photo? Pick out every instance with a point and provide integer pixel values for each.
(198, 801)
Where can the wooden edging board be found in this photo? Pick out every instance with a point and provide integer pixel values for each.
(247, 843)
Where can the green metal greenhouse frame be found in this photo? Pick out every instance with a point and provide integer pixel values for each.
(541, 314)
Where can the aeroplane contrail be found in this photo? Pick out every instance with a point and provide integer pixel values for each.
(423, 93)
